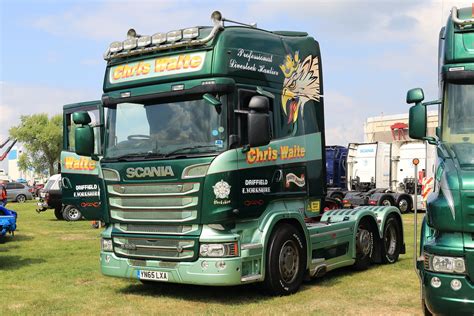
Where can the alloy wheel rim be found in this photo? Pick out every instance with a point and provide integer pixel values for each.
(289, 261)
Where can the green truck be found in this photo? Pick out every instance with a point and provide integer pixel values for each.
(213, 170)
(446, 258)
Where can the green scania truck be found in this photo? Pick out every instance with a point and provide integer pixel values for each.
(446, 258)
(213, 170)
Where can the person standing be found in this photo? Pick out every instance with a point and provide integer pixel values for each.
(3, 195)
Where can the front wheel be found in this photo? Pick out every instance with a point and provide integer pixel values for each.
(71, 213)
(392, 240)
(21, 198)
(286, 260)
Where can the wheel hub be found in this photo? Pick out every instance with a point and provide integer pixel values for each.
(363, 241)
(73, 213)
(391, 240)
(403, 206)
(289, 261)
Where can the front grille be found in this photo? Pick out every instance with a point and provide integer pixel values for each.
(156, 228)
(158, 249)
(154, 202)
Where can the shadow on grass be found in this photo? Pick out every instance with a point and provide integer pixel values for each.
(16, 262)
(232, 295)
(229, 295)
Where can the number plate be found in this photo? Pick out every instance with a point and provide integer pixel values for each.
(152, 275)
(347, 205)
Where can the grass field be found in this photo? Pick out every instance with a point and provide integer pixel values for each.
(52, 267)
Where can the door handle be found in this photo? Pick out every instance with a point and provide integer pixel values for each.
(278, 176)
(66, 183)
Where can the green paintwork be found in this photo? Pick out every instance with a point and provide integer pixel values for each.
(448, 226)
(246, 192)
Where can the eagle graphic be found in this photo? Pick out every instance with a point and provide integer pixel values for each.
(301, 84)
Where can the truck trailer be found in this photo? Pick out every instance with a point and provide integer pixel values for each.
(445, 261)
(213, 169)
(383, 174)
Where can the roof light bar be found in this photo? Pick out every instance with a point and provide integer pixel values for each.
(137, 44)
(174, 36)
(144, 41)
(190, 33)
(158, 38)
(116, 47)
(130, 43)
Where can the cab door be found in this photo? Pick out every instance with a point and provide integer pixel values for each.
(80, 182)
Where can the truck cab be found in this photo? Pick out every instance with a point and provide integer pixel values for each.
(213, 169)
(446, 254)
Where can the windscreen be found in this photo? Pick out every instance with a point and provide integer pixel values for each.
(191, 126)
(458, 121)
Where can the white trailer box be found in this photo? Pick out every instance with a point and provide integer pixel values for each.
(368, 165)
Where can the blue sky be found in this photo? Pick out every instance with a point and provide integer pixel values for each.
(372, 51)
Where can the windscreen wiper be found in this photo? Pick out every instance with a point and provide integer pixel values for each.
(137, 156)
(179, 150)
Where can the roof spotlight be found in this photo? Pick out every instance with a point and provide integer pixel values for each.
(216, 16)
(131, 33)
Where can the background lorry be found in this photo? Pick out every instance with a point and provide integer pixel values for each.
(446, 255)
(213, 170)
(383, 174)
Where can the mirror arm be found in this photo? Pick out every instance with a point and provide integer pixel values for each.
(435, 102)
(431, 140)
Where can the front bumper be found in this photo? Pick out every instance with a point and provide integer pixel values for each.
(445, 300)
(178, 272)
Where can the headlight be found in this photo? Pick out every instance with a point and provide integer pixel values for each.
(106, 245)
(445, 264)
(230, 249)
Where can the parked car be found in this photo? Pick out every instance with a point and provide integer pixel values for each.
(50, 197)
(18, 192)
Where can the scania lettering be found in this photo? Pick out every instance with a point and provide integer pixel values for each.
(139, 172)
(445, 262)
(213, 168)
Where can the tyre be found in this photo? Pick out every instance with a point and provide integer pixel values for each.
(58, 212)
(71, 213)
(286, 260)
(364, 245)
(385, 200)
(404, 204)
(392, 240)
(21, 198)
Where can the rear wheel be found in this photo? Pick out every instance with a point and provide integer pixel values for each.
(71, 213)
(364, 245)
(286, 260)
(392, 240)
(404, 204)
(58, 212)
(385, 200)
(337, 196)
(21, 198)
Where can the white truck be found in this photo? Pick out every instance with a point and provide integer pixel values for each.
(383, 174)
